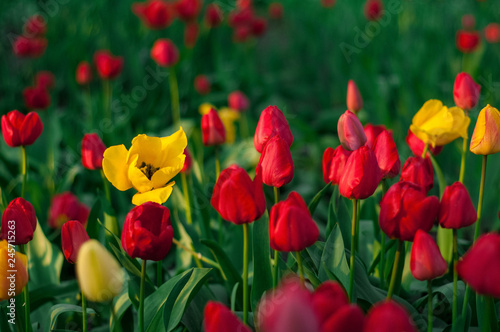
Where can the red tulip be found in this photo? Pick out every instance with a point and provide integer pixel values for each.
(244, 4)
(45, 79)
(348, 318)
(241, 17)
(155, 14)
(361, 174)
(165, 53)
(147, 232)
(188, 9)
(492, 33)
(238, 101)
(237, 198)
(417, 146)
(259, 26)
(328, 3)
(35, 26)
(275, 10)
(218, 318)
(83, 73)
(327, 299)
(466, 92)
(73, 235)
(354, 99)
(468, 22)
(291, 227)
(372, 132)
(18, 222)
(467, 41)
(212, 129)
(334, 162)
(419, 171)
(242, 33)
(188, 162)
(405, 209)
(387, 155)
(24, 47)
(213, 15)
(108, 66)
(202, 84)
(276, 164)
(271, 123)
(66, 207)
(373, 9)
(21, 130)
(92, 151)
(480, 266)
(36, 98)
(426, 262)
(351, 133)
(191, 31)
(456, 209)
(388, 317)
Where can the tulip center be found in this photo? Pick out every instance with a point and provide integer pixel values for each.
(148, 169)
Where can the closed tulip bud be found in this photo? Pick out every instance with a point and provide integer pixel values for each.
(291, 227)
(18, 219)
(188, 162)
(418, 171)
(99, 275)
(24, 47)
(405, 209)
(238, 101)
(374, 9)
(36, 98)
(66, 207)
(351, 133)
(188, 10)
(218, 318)
(334, 162)
(456, 210)
(108, 66)
(275, 11)
(259, 26)
(73, 235)
(372, 132)
(417, 146)
(165, 53)
(83, 73)
(354, 99)
(35, 26)
(21, 130)
(327, 299)
(479, 267)
(212, 129)
(271, 123)
(466, 92)
(388, 317)
(237, 198)
(276, 164)
(492, 33)
(213, 15)
(387, 155)
(191, 31)
(45, 79)
(467, 41)
(361, 174)
(486, 136)
(426, 262)
(155, 14)
(92, 151)
(348, 318)
(147, 232)
(15, 261)
(202, 84)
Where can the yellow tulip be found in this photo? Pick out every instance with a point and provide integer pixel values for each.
(13, 273)
(99, 275)
(148, 166)
(228, 116)
(486, 137)
(205, 108)
(436, 124)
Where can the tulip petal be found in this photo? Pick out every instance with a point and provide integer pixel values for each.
(171, 147)
(115, 167)
(159, 195)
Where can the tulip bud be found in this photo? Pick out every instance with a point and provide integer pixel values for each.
(99, 275)
(275, 10)
(191, 31)
(259, 26)
(417, 146)
(456, 210)
(426, 262)
(66, 207)
(373, 10)
(387, 155)
(388, 317)
(348, 318)
(212, 129)
(228, 116)
(187, 10)
(466, 92)
(24, 47)
(468, 21)
(237, 198)
(418, 171)
(202, 84)
(36, 98)
(405, 209)
(492, 33)
(218, 318)
(334, 162)
(13, 261)
(35, 26)
(327, 299)
(276, 164)
(18, 222)
(372, 132)
(83, 73)
(108, 66)
(73, 235)
(486, 136)
(361, 174)
(351, 133)
(354, 99)
(165, 53)
(21, 130)
(92, 151)
(155, 14)
(291, 227)
(467, 41)
(271, 123)
(45, 79)
(238, 101)
(213, 15)
(188, 162)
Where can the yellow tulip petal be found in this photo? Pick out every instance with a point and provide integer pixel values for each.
(428, 110)
(139, 180)
(159, 196)
(115, 167)
(205, 108)
(229, 114)
(147, 148)
(486, 137)
(165, 174)
(171, 147)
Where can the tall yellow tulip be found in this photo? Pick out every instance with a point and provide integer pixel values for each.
(486, 137)
(13, 273)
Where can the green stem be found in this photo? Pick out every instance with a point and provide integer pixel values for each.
(353, 247)
(455, 278)
(217, 163)
(174, 95)
(108, 92)
(24, 170)
(159, 273)
(301, 269)
(105, 184)
(27, 319)
(382, 259)
(197, 255)
(462, 164)
(276, 252)
(84, 313)
(394, 271)
(141, 297)
(429, 306)
(276, 195)
(88, 104)
(245, 273)
(244, 125)
(426, 148)
(186, 198)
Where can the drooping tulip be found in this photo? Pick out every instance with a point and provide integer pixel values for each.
(466, 92)
(354, 99)
(456, 209)
(65, 207)
(108, 66)
(202, 84)
(351, 133)
(83, 74)
(334, 162)
(18, 222)
(73, 235)
(238, 101)
(388, 317)
(276, 165)
(12, 283)
(387, 155)
(486, 136)
(36, 98)
(92, 151)
(426, 261)
(155, 14)
(417, 146)
(271, 123)
(212, 129)
(21, 130)
(418, 170)
(218, 318)
(165, 53)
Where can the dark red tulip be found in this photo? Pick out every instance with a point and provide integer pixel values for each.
(387, 155)
(218, 318)
(349, 318)
(191, 31)
(372, 132)
(83, 73)
(327, 299)
(405, 209)
(165, 53)
(456, 209)
(24, 47)
(492, 33)
(212, 129)
(64, 207)
(73, 235)
(92, 151)
(202, 84)
(244, 4)
(467, 41)
(188, 162)
(147, 232)
(275, 10)
(271, 123)
(35, 26)
(36, 98)
(291, 227)
(334, 163)
(417, 146)
(276, 164)
(108, 66)
(373, 9)
(388, 317)
(155, 14)
(18, 222)
(466, 92)
(238, 101)
(419, 171)
(480, 266)
(242, 33)
(45, 79)
(21, 130)
(354, 99)
(241, 17)
(468, 22)
(259, 26)
(188, 10)
(328, 3)
(351, 133)
(237, 198)
(361, 174)
(426, 262)
(213, 15)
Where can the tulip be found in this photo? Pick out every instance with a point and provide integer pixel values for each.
(73, 235)
(218, 318)
(372, 132)
(327, 299)
(354, 99)
(188, 10)
(276, 164)
(238, 101)
(228, 116)
(351, 133)
(237, 198)
(21, 130)
(334, 162)
(405, 209)
(83, 73)
(466, 92)
(213, 15)
(165, 53)
(426, 261)
(18, 222)
(148, 166)
(155, 14)
(259, 26)
(108, 66)
(456, 209)
(417, 146)
(275, 10)
(9, 256)
(24, 47)
(66, 207)
(486, 136)
(361, 174)
(205, 108)
(36, 98)
(435, 124)
(242, 17)
(468, 21)
(271, 123)
(212, 129)
(202, 84)
(388, 317)
(418, 171)
(92, 151)
(387, 155)
(373, 10)
(188, 162)
(99, 275)
(35, 26)
(467, 41)
(244, 4)
(191, 31)
(492, 33)
(348, 318)
(45, 79)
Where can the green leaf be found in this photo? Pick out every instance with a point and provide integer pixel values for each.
(334, 259)
(40, 296)
(439, 175)
(120, 306)
(262, 275)
(445, 243)
(317, 198)
(59, 309)
(92, 223)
